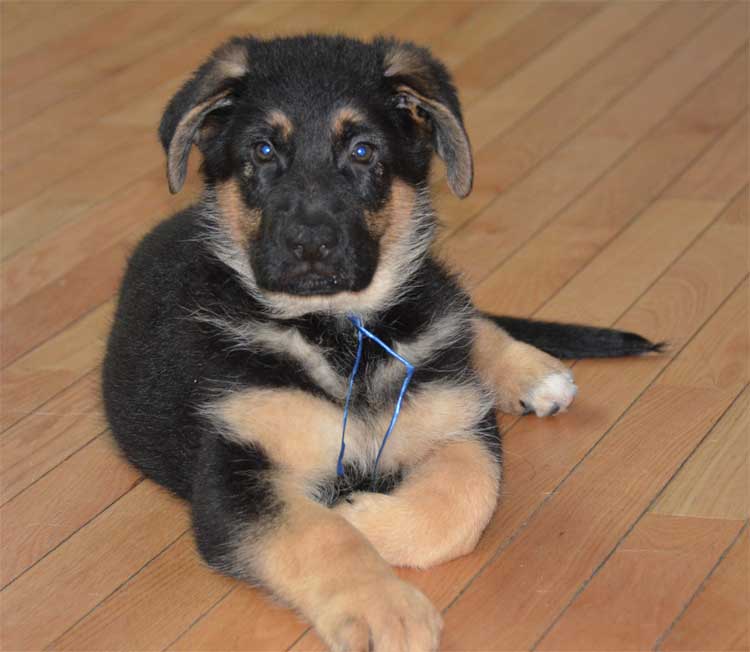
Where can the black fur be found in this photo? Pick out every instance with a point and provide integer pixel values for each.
(572, 341)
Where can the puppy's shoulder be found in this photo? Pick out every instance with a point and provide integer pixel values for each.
(174, 241)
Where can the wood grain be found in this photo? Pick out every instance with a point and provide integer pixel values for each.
(618, 198)
(59, 503)
(149, 610)
(656, 570)
(87, 567)
(119, 39)
(53, 366)
(717, 617)
(49, 435)
(27, 26)
(579, 107)
(714, 482)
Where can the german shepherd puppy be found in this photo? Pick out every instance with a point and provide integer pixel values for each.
(227, 366)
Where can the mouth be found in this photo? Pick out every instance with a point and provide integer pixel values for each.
(313, 283)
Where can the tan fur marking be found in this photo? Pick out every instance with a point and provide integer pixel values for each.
(241, 222)
(437, 514)
(343, 117)
(436, 414)
(230, 61)
(303, 433)
(350, 601)
(280, 120)
(294, 428)
(511, 368)
(406, 62)
(396, 209)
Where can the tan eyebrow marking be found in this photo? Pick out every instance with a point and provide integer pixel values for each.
(279, 120)
(344, 116)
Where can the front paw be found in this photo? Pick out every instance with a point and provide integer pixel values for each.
(380, 616)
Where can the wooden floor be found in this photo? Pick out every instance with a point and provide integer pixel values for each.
(611, 144)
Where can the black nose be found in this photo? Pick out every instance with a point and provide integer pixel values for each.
(311, 243)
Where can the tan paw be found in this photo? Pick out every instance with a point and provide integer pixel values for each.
(550, 395)
(534, 382)
(399, 534)
(387, 615)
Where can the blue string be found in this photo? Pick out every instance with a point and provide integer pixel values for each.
(357, 360)
(361, 330)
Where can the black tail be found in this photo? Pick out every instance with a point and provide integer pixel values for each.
(573, 341)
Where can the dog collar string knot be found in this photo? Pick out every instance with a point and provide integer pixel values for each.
(362, 332)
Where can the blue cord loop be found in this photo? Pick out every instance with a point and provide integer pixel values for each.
(361, 333)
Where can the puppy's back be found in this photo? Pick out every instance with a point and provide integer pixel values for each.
(152, 360)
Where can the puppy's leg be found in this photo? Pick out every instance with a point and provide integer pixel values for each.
(524, 378)
(437, 513)
(254, 521)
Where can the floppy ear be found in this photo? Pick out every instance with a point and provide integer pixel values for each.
(211, 88)
(424, 88)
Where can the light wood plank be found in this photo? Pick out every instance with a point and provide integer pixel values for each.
(644, 246)
(52, 433)
(133, 29)
(640, 253)
(84, 570)
(488, 22)
(528, 38)
(50, 368)
(588, 223)
(174, 589)
(127, 214)
(643, 586)
(736, 214)
(717, 619)
(523, 209)
(245, 620)
(87, 285)
(725, 168)
(30, 25)
(72, 195)
(714, 482)
(57, 505)
(504, 156)
(91, 148)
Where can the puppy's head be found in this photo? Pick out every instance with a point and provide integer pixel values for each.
(316, 155)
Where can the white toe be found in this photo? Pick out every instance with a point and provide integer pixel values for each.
(553, 394)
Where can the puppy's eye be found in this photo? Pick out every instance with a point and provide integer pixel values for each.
(264, 151)
(362, 153)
